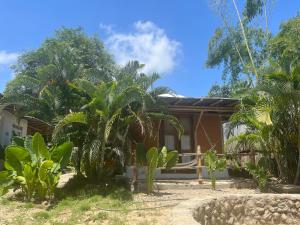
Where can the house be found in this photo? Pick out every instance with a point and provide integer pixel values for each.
(13, 124)
(203, 120)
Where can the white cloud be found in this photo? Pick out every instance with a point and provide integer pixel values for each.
(148, 43)
(7, 58)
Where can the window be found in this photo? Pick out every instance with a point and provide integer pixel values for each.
(170, 142)
(185, 142)
(170, 139)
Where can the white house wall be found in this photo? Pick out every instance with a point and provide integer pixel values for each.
(10, 125)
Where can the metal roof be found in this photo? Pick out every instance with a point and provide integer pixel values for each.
(203, 103)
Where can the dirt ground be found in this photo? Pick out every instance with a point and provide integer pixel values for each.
(144, 209)
(167, 199)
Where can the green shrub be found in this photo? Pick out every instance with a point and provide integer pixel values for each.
(259, 174)
(214, 164)
(155, 159)
(34, 168)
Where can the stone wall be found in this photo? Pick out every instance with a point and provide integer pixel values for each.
(264, 209)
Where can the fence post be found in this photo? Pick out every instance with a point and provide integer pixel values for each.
(199, 169)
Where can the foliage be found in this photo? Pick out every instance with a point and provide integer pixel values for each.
(43, 83)
(228, 47)
(154, 159)
(259, 173)
(73, 83)
(284, 47)
(117, 113)
(213, 164)
(271, 114)
(33, 167)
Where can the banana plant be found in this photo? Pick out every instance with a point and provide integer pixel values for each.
(155, 159)
(214, 164)
(34, 168)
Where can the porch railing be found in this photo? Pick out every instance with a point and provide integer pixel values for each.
(198, 161)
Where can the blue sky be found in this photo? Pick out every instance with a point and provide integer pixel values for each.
(171, 36)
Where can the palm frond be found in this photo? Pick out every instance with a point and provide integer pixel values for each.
(78, 117)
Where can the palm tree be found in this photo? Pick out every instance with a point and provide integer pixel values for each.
(113, 111)
(271, 112)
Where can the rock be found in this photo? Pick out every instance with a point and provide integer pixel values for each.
(231, 221)
(283, 217)
(261, 211)
(267, 215)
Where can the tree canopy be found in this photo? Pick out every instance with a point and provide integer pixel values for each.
(228, 48)
(43, 77)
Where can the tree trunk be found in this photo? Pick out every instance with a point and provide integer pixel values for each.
(279, 167)
(298, 169)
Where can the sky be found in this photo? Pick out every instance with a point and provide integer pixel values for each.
(169, 36)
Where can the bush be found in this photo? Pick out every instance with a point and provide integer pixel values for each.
(34, 168)
(154, 159)
(213, 164)
(259, 174)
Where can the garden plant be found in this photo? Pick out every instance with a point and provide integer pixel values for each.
(33, 168)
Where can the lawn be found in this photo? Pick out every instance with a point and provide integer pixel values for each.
(91, 204)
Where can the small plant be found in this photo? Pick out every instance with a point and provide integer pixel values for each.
(155, 159)
(214, 164)
(34, 168)
(259, 174)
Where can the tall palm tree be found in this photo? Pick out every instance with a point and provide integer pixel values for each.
(113, 111)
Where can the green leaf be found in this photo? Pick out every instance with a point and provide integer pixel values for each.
(28, 173)
(172, 159)
(6, 186)
(263, 116)
(62, 153)
(28, 146)
(39, 146)
(110, 123)
(19, 141)
(79, 117)
(162, 157)
(21, 180)
(4, 175)
(152, 157)
(14, 156)
(44, 168)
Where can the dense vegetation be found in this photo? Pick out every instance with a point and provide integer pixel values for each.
(33, 168)
(104, 109)
(263, 70)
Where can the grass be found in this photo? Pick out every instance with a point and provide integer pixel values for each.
(82, 208)
(82, 204)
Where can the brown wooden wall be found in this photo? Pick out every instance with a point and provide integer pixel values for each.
(213, 128)
(212, 125)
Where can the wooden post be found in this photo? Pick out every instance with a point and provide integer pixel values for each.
(199, 169)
